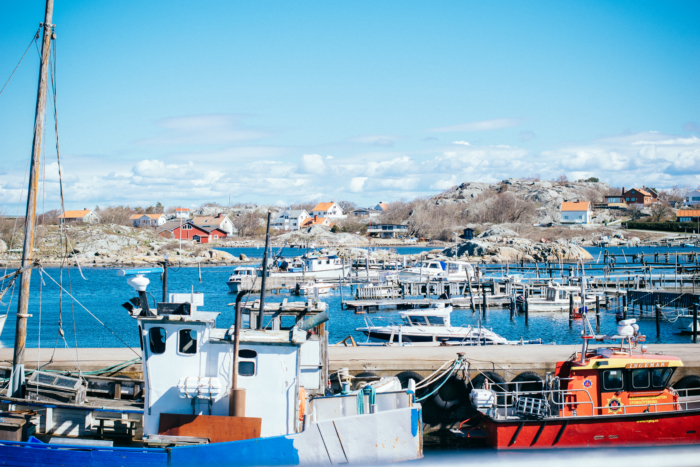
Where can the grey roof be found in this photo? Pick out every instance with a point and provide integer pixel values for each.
(293, 212)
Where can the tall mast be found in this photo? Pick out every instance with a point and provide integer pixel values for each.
(17, 379)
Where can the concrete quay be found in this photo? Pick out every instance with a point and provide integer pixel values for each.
(384, 360)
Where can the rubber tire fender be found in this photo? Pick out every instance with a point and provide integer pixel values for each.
(364, 374)
(688, 382)
(450, 394)
(404, 376)
(537, 383)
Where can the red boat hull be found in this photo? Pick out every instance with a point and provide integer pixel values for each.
(659, 429)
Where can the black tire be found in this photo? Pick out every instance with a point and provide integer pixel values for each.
(688, 382)
(359, 383)
(535, 383)
(450, 394)
(404, 376)
(496, 383)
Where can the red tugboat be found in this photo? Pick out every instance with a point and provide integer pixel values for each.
(614, 396)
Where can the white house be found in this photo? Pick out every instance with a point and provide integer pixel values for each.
(576, 212)
(220, 221)
(86, 215)
(148, 220)
(328, 210)
(182, 213)
(290, 219)
(692, 198)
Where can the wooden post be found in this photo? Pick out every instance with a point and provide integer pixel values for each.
(471, 296)
(263, 282)
(16, 383)
(484, 303)
(695, 323)
(658, 319)
(527, 306)
(571, 309)
(597, 314)
(624, 307)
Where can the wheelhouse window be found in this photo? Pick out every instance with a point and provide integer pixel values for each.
(612, 380)
(247, 362)
(156, 340)
(660, 377)
(434, 266)
(640, 379)
(417, 319)
(436, 320)
(187, 341)
(453, 268)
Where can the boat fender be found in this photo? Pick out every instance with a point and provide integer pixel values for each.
(302, 403)
(451, 393)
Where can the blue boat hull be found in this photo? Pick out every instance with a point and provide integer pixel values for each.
(370, 438)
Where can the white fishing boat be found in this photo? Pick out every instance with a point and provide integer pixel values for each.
(313, 288)
(2, 323)
(436, 270)
(431, 325)
(240, 278)
(556, 298)
(311, 265)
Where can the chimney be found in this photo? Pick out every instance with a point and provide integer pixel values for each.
(623, 191)
(85, 209)
(315, 217)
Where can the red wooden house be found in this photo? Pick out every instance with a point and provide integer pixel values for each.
(189, 231)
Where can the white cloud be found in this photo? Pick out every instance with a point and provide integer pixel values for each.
(356, 184)
(312, 164)
(483, 125)
(463, 143)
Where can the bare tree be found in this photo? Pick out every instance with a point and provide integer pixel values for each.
(676, 194)
(660, 211)
(248, 223)
(346, 206)
(635, 213)
(116, 215)
(562, 179)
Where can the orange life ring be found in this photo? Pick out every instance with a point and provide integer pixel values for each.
(302, 403)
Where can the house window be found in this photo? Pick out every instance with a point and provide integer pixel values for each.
(566, 217)
(186, 227)
(696, 198)
(187, 341)
(156, 340)
(580, 217)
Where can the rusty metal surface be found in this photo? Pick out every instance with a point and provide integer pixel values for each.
(218, 429)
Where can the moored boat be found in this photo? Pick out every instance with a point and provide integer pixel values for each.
(607, 396)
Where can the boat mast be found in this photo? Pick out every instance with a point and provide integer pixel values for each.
(16, 386)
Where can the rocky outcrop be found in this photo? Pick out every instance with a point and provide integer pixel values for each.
(517, 249)
(546, 196)
(321, 236)
(498, 231)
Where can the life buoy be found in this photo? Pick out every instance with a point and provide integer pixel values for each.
(302, 403)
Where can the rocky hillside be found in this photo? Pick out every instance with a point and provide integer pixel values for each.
(545, 196)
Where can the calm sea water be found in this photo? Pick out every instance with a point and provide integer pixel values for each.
(102, 293)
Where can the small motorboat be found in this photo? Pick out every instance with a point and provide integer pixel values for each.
(436, 270)
(309, 287)
(684, 324)
(431, 325)
(557, 299)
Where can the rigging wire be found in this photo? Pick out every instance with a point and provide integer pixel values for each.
(43, 271)
(34, 39)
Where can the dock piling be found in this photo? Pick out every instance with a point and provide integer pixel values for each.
(658, 319)
(695, 323)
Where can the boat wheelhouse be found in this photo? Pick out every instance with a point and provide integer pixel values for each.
(556, 298)
(431, 325)
(607, 396)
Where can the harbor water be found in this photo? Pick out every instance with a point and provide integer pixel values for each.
(96, 318)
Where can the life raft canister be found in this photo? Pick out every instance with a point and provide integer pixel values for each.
(302, 403)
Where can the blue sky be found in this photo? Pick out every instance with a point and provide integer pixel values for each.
(277, 102)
